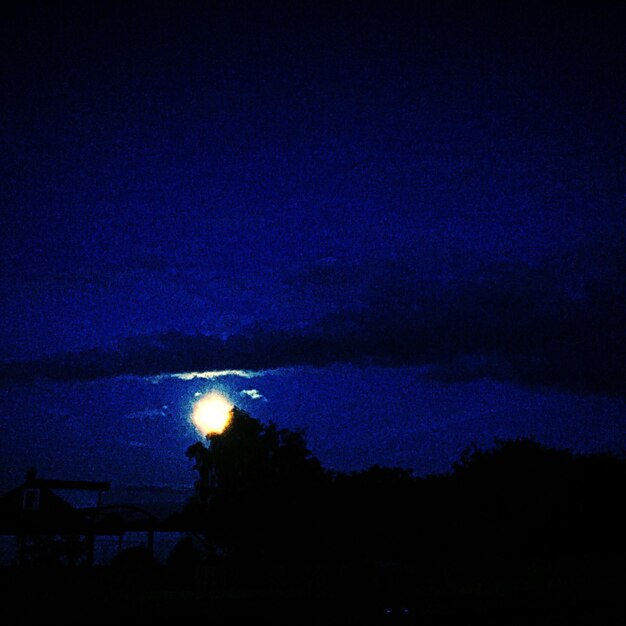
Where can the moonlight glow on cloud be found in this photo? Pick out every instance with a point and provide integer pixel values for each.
(255, 394)
(214, 374)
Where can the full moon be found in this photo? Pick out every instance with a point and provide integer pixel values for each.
(211, 414)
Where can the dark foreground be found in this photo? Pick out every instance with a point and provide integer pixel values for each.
(582, 590)
(520, 534)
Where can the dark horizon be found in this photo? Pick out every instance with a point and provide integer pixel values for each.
(518, 533)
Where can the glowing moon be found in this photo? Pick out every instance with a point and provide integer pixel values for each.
(212, 413)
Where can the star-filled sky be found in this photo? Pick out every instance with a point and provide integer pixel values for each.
(397, 225)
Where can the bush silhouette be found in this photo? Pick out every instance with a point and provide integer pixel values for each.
(136, 557)
(184, 557)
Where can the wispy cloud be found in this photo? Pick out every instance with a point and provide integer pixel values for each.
(148, 414)
(209, 375)
(254, 394)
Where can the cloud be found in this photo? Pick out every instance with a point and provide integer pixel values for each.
(559, 325)
(148, 414)
(210, 375)
(255, 394)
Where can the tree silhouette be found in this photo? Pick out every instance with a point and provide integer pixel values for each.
(254, 481)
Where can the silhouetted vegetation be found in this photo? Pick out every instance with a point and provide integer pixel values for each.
(517, 530)
(518, 513)
(257, 486)
(184, 557)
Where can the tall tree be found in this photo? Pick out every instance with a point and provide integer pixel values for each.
(255, 482)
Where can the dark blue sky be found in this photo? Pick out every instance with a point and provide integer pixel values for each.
(428, 195)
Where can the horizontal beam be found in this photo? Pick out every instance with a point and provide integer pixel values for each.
(75, 485)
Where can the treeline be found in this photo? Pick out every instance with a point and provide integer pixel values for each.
(261, 495)
(519, 533)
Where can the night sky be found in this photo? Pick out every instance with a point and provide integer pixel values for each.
(397, 225)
